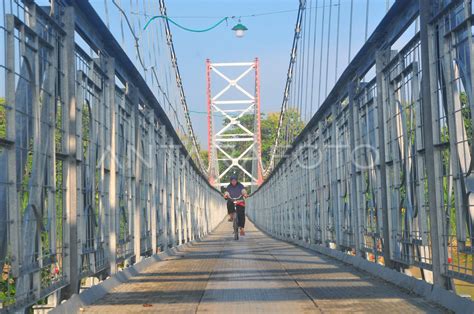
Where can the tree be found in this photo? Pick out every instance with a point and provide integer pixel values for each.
(204, 158)
(268, 129)
(292, 123)
(188, 144)
(291, 127)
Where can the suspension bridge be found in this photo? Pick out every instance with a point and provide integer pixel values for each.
(106, 203)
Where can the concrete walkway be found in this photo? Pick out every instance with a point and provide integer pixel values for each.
(255, 274)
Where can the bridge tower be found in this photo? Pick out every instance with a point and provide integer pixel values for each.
(233, 110)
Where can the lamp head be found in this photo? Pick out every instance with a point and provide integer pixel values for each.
(239, 30)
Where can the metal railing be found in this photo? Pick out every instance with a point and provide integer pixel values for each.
(93, 175)
(384, 169)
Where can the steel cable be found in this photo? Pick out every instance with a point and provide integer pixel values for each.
(287, 87)
(327, 53)
(321, 54)
(136, 38)
(307, 61)
(314, 58)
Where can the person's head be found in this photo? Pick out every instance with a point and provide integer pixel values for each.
(233, 179)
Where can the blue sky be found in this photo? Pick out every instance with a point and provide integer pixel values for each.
(269, 38)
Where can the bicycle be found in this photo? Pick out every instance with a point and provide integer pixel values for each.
(235, 219)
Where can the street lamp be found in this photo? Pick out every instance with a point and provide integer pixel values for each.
(239, 30)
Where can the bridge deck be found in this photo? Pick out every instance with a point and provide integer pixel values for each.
(255, 274)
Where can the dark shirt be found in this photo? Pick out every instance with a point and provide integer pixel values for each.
(235, 191)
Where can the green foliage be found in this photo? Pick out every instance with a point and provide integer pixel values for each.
(24, 192)
(446, 159)
(59, 202)
(450, 209)
(246, 121)
(292, 125)
(58, 135)
(466, 114)
(3, 118)
(188, 144)
(204, 158)
(7, 287)
(86, 126)
(123, 222)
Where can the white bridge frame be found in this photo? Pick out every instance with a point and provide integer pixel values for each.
(234, 110)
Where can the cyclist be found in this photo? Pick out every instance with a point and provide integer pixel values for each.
(236, 190)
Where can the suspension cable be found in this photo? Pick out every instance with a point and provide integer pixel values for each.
(367, 20)
(298, 69)
(180, 86)
(350, 33)
(287, 86)
(337, 40)
(307, 61)
(314, 59)
(321, 55)
(136, 39)
(106, 8)
(327, 53)
(300, 85)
